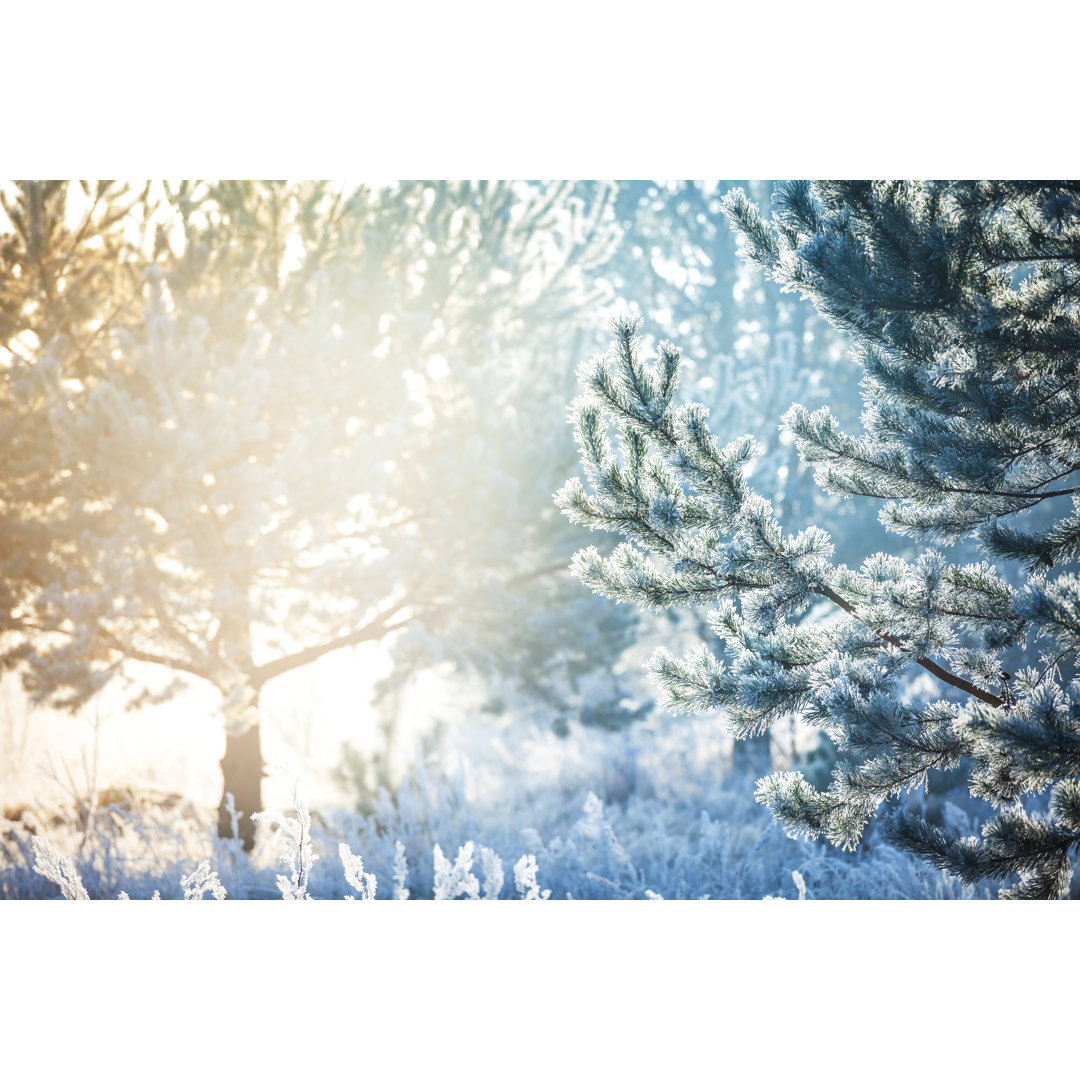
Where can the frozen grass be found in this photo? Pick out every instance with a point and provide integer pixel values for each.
(640, 815)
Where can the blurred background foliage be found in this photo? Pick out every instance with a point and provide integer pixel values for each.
(288, 449)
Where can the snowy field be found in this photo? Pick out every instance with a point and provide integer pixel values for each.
(645, 814)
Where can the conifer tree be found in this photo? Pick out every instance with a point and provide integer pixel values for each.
(752, 350)
(268, 458)
(542, 649)
(64, 270)
(959, 300)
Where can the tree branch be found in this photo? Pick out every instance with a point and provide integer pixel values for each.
(372, 632)
(935, 669)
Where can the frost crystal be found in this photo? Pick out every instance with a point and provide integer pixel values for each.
(59, 869)
(202, 880)
(401, 872)
(293, 841)
(363, 883)
(456, 880)
(525, 879)
(492, 866)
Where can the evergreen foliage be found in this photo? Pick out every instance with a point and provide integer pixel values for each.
(751, 346)
(748, 350)
(540, 646)
(241, 419)
(959, 300)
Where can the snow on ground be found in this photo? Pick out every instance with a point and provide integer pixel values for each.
(649, 812)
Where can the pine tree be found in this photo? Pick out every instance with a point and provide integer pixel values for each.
(752, 349)
(269, 458)
(70, 273)
(542, 649)
(959, 300)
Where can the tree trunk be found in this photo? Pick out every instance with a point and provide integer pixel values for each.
(242, 765)
(242, 770)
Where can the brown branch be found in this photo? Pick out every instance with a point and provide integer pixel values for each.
(105, 638)
(372, 632)
(83, 229)
(131, 653)
(935, 669)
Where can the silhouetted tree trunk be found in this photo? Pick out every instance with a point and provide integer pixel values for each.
(242, 769)
(242, 765)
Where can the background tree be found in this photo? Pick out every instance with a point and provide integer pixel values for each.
(960, 301)
(270, 458)
(68, 270)
(519, 644)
